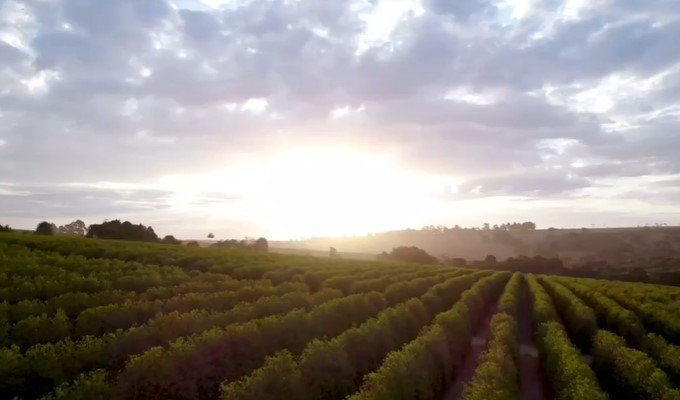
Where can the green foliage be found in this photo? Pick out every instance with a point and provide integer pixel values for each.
(39, 329)
(571, 377)
(508, 302)
(251, 342)
(261, 244)
(330, 369)
(666, 354)
(421, 369)
(610, 313)
(46, 228)
(84, 318)
(122, 230)
(657, 316)
(11, 371)
(543, 309)
(409, 254)
(629, 369)
(278, 378)
(626, 323)
(169, 239)
(497, 377)
(76, 228)
(580, 319)
(92, 385)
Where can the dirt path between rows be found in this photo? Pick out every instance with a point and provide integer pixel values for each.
(533, 385)
(473, 355)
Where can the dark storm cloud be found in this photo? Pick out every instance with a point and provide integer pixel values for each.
(131, 90)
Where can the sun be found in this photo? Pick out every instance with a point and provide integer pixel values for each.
(330, 191)
(315, 191)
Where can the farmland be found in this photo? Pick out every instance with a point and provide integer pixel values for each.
(94, 319)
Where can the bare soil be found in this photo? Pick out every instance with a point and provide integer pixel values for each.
(477, 346)
(533, 385)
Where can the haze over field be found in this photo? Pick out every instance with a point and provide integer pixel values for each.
(291, 119)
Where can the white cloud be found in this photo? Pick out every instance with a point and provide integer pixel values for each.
(574, 8)
(382, 19)
(467, 95)
(346, 110)
(254, 105)
(17, 24)
(39, 83)
(518, 8)
(216, 4)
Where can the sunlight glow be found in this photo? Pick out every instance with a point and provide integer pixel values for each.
(519, 8)
(39, 83)
(383, 18)
(314, 191)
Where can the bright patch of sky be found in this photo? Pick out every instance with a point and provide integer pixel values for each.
(518, 8)
(17, 24)
(344, 111)
(255, 105)
(382, 18)
(467, 95)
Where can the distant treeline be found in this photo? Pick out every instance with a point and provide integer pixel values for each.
(260, 244)
(509, 226)
(126, 230)
(537, 265)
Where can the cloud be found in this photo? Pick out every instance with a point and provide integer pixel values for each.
(134, 90)
(532, 183)
(58, 201)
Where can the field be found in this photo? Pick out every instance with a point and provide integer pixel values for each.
(92, 319)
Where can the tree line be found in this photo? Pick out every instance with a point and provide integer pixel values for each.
(126, 230)
(508, 226)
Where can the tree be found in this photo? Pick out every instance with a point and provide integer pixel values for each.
(192, 243)
(211, 236)
(490, 259)
(409, 254)
(46, 228)
(76, 228)
(528, 226)
(261, 244)
(333, 252)
(169, 239)
(5, 228)
(122, 231)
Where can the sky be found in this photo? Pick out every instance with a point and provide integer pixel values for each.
(298, 118)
